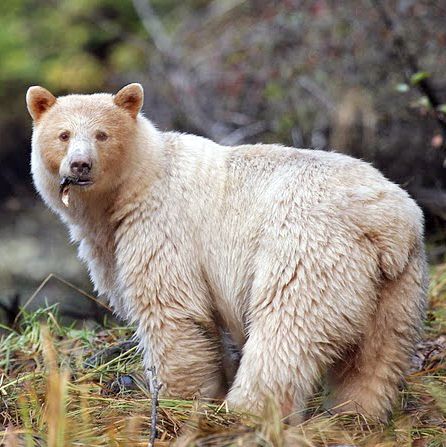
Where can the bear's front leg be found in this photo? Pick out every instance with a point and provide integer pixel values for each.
(163, 292)
(186, 356)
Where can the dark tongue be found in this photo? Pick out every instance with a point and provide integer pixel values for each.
(65, 182)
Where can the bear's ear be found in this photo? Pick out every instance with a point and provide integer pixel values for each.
(130, 98)
(38, 101)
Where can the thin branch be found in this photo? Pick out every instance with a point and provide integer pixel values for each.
(178, 71)
(216, 12)
(66, 283)
(154, 27)
(154, 391)
(239, 135)
(107, 353)
(311, 87)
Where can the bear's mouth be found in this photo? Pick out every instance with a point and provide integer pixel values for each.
(82, 182)
(79, 181)
(66, 182)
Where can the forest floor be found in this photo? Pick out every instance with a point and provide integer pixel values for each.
(64, 386)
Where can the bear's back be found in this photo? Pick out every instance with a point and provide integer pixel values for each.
(303, 195)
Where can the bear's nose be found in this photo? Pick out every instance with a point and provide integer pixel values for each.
(80, 167)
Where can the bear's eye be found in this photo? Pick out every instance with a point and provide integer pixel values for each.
(64, 136)
(101, 136)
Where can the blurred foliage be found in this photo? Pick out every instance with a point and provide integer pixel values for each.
(65, 45)
(305, 73)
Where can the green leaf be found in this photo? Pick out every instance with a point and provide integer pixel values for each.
(442, 108)
(274, 91)
(423, 102)
(402, 88)
(418, 77)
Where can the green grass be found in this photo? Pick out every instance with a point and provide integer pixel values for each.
(50, 397)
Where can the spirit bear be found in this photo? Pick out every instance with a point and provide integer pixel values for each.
(312, 261)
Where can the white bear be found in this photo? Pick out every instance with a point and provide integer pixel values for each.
(311, 260)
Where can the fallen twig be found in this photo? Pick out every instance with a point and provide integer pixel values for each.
(109, 352)
(65, 282)
(154, 391)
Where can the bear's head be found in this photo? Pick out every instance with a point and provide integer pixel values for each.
(84, 141)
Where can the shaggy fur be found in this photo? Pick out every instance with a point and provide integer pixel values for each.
(312, 261)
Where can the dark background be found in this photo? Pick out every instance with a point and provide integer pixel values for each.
(364, 77)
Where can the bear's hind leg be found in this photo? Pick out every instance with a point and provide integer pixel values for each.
(366, 380)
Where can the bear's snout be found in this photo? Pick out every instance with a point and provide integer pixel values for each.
(80, 166)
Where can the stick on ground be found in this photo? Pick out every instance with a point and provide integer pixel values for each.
(154, 391)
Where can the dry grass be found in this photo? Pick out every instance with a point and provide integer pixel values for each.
(50, 397)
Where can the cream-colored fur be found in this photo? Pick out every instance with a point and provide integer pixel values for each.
(313, 261)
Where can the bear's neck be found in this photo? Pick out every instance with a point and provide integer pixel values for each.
(93, 219)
